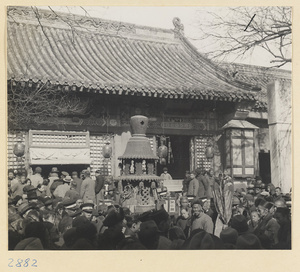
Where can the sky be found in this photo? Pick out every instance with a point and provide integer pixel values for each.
(162, 17)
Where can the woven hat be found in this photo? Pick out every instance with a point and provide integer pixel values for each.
(65, 173)
(67, 179)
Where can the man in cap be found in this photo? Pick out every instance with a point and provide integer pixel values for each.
(87, 209)
(61, 190)
(69, 206)
(37, 178)
(87, 191)
(76, 180)
(199, 219)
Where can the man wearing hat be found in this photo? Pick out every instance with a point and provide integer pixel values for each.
(87, 209)
(87, 191)
(37, 178)
(199, 219)
(53, 175)
(69, 206)
(165, 175)
(193, 185)
(76, 180)
(58, 182)
(99, 186)
(73, 193)
(61, 190)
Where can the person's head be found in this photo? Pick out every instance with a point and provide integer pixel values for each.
(48, 216)
(46, 181)
(79, 202)
(23, 178)
(38, 170)
(133, 223)
(193, 175)
(184, 213)
(87, 209)
(257, 190)
(97, 173)
(240, 209)
(11, 175)
(206, 205)
(86, 173)
(255, 216)
(280, 203)
(184, 202)
(282, 215)
(28, 181)
(187, 174)
(165, 170)
(277, 191)
(258, 180)
(74, 175)
(176, 233)
(197, 208)
(210, 172)
(265, 208)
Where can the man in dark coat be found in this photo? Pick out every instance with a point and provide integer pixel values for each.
(99, 185)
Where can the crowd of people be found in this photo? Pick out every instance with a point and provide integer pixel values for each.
(67, 212)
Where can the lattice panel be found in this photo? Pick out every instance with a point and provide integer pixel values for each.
(58, 139)
(152, 142)
(12, 162)
(98, 161)
(201, 161)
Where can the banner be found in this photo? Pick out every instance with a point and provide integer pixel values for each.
(44, 156)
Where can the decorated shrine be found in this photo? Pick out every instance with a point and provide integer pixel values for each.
(138, 181)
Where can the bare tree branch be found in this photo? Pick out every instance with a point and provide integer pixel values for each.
(270, 29)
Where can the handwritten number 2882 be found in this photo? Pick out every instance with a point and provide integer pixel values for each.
(22, 263)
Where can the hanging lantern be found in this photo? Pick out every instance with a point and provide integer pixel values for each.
(162, 150)
(163, 161)
(19, 148)
(209, 150)
(107, 150)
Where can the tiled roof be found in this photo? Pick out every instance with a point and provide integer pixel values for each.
(257, 76)
(88, 54)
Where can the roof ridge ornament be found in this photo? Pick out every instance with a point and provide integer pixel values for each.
(179, 28)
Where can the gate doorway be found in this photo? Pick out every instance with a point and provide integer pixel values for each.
(181, 163)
